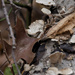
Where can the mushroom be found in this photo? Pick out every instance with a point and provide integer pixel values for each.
(46, 11)
(46, 2)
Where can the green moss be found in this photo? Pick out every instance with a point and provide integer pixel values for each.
(8, 71)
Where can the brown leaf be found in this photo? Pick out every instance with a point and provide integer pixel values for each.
(65, 25)
(23, 48)
(3, 24)
(56, 57)
(24, 43)
(3, 57)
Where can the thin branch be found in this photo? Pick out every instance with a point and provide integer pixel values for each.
(11, 34)
(2, 19)
(71, 10)
(19, 4)
(11, 2)
(3, 64)
(12, 70)
(1, 72)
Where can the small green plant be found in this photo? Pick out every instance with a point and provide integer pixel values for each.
(8, 71)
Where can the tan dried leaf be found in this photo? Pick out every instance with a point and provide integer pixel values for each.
(65, 25)
(56, 57)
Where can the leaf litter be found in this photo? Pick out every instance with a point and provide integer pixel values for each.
(36, 55)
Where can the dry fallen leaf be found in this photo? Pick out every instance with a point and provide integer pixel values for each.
(56, 57)
(3, 57)
(63, 26)
(24, 43)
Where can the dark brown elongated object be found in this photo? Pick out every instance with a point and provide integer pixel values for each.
(1, 72)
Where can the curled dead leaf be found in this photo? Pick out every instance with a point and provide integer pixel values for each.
(65, 25)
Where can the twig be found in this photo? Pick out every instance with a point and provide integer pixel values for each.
(71, 10)
(20, 5)
(14, 4)
(2, 19)
(1, 72)
(12, 70)
(3, 64)
(11, 34)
